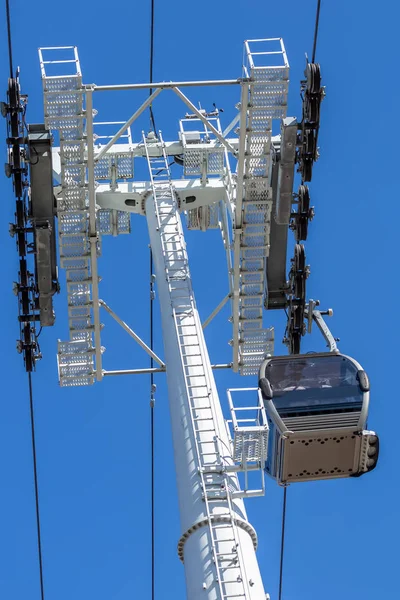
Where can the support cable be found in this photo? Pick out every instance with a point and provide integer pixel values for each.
(31, 406)
(152, 296)
(152, 120)
(316, 31)
(39, 540)
(152, 404)
(9, 38)
(282, 543)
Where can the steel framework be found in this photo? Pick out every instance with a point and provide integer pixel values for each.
(96, 195)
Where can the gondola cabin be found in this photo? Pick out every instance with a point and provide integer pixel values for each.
(317, 407)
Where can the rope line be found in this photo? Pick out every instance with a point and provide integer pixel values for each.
(152, 120)
(316, 31)
(9, 38)
(31, 404)
(152, 295)
(282, 543)
(152, 404)
(39, 540)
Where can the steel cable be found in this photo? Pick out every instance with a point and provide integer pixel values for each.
(316, 31)
(9, 38)
(31, 404)
(152, 121)
(282, 543)
(152, 295)
(39, 539)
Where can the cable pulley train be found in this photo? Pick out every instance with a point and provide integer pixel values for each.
(311, 409)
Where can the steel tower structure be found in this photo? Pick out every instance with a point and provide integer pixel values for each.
(95, 196)
(242, 185)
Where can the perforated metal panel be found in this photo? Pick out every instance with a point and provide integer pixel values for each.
(195, 158)
(122, 163)
(113, 222)
(203, 218)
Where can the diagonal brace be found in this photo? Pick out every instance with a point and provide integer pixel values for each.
(129, 122)
(206, 122)
(133, 334)
(216, 311)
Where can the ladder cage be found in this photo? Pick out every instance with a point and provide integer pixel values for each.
(249, 429)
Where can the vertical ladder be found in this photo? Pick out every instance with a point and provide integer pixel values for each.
(225, 551)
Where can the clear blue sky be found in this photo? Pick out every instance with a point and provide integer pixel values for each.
(93, 444)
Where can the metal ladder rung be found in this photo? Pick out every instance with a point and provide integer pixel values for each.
(180, 297)
(197, 386)
(205, 431)
(255, 271)
(188, 335)
(173, 278)
(207, 454)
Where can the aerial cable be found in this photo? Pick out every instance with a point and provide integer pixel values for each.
(282, 543)
(152, 120)
(31, 407)
(316, 31)
(152, 296)
(152, 404)
(9, 38)
(39, 540)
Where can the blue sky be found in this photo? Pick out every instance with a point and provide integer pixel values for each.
(93, 445)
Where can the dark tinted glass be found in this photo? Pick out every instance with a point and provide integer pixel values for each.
(313, 381)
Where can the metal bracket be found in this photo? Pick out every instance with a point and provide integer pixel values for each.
(316, 315)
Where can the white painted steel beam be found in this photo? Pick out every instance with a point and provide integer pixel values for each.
(191, 194)
(237, 225)
(147, 371)
(167, 84)
(93, 234)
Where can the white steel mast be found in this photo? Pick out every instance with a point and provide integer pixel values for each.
(217, 544)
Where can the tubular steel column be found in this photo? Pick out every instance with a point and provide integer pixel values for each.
(217, 544)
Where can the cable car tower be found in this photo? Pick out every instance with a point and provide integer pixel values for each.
(240, 180)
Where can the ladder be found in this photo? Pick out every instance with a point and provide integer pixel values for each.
(225, 558)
